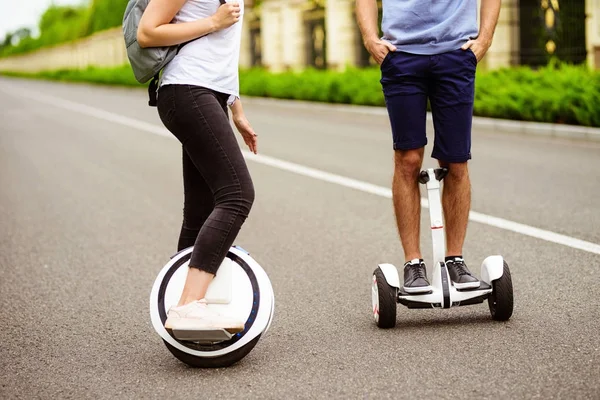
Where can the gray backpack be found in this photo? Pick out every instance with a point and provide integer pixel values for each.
(145, 62)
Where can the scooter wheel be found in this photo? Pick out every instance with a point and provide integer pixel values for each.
(501, 298)
(214, 362)
(384, 299)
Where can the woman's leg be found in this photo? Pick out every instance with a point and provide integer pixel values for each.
(198, 203)
(197, 117)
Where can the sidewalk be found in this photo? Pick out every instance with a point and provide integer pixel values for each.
(500, 125)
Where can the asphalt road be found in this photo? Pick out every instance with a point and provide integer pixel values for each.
(90, 208)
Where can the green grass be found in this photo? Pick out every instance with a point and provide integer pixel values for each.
(556, 93)
(122, 76)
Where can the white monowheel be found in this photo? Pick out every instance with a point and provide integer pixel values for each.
(241, 288)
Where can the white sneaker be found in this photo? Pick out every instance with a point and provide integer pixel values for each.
(197, 316)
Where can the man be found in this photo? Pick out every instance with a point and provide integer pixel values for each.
(429, 51)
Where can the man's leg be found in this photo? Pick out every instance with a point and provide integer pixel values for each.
(456, 202)
(405, 82)
(452, 96)
(407, 200)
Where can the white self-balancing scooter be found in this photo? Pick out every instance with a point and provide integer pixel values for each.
(240, 288)
(495, 283)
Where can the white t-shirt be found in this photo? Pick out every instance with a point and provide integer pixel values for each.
(211, 61)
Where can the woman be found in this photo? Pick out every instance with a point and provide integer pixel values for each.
(196, 88)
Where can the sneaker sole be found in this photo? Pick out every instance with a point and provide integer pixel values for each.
(417, 290)
(231, 330)
(469, 285)
(202, 335)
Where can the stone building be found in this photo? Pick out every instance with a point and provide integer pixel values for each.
(293, 34)
(285, 35)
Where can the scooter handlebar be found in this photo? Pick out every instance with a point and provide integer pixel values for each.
(440, 173)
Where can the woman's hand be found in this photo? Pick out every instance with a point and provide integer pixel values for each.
(244, 128)
(226, 15)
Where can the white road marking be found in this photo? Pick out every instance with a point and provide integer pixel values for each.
(385, 192)
(305, 171)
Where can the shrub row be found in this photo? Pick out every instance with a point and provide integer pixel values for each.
(556, 93)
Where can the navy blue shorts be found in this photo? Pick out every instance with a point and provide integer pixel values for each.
(448, 81)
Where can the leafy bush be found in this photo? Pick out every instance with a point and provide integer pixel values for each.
(557, 93)
(58, 24)
(106, 14)
(354, 86)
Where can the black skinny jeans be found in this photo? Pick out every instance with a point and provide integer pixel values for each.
(218, 190)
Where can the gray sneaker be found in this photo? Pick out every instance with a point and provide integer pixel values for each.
(415, 277)
(460, 275)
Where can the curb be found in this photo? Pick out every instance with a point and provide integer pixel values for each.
(501, 125)
(539, 129)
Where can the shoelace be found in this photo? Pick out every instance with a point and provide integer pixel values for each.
(460, 268)
(417, 271)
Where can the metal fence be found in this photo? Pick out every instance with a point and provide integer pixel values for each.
(316, 43)
(552, 29)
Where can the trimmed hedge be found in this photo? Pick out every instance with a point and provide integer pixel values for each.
(556, 93)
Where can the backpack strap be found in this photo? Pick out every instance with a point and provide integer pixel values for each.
(152, 88)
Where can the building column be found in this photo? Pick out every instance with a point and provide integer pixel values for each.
(504, 51)
(245, 50)
(592, 33)
(342, 34)
(271, 34)
(293, 46)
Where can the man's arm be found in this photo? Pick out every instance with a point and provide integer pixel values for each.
(366, 16)
(490, 10)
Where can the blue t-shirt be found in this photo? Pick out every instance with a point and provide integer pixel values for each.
(429, 26)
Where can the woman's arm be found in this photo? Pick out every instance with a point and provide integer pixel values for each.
(155, 29)
(237, 111)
